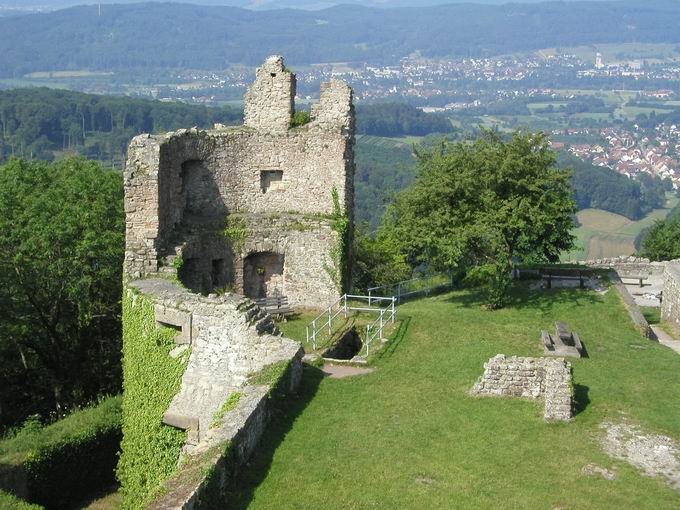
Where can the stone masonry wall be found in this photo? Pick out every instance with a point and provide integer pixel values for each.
(627, 265)
(183, 183)
(533, 378)
(230, 339)
(670, 306)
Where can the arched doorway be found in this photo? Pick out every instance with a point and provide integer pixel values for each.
(263, 274)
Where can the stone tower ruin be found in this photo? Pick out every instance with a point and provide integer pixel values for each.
(214, 217)
(261, 209)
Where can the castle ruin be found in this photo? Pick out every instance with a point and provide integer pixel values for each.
(254, 209)
(215, 219)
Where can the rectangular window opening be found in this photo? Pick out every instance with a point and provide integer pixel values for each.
(271, 180)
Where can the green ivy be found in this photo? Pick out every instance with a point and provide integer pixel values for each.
(151, 378)
(340, 224)
(236, 231)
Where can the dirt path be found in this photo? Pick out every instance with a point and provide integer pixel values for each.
(341, 371)
(666, 339)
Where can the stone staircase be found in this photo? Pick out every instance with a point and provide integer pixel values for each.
(210, 377)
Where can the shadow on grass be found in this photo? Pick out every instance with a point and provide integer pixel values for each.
(581, 399)
(521, 297)
(242, 487)
(391, 347)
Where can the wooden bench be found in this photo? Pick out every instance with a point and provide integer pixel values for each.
(641, 278)
(275, 305)
(581, 275)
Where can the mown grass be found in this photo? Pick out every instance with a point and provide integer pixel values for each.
(409, 435)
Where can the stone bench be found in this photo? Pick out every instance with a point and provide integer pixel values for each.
(640, 278)
(564, 343)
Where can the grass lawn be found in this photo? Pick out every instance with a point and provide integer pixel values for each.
(408, 436)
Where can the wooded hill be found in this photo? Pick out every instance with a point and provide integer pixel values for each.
(43, 123)
(204, 37)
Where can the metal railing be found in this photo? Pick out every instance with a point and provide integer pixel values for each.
(323, 323)
(377, 327)
(421, 285)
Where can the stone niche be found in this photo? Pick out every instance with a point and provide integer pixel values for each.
(532, 378)
(250, 208)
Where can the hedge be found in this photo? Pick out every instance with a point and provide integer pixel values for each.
(11, 502)
(151, 378)
(67, 461)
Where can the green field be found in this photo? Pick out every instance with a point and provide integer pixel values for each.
(409, 436)
(605, 234)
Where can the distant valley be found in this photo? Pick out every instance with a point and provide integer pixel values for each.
(204, 37)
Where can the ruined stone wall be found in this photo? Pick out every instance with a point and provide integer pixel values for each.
(670, 306)
(270, 101)
(532, 378)
(627, 265)
(184, 185)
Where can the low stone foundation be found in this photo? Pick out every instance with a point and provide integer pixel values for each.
(532, 378)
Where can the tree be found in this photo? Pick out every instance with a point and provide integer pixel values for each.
(662, 242)
(378, 260)
(61, 254)
(482, 207)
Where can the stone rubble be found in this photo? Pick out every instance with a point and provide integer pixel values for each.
(532, 378)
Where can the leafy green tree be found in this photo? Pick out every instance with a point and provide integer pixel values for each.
(481, 207)
(378, 260)
(662, 242)
(61, 253)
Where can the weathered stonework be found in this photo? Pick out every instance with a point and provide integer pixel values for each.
(627, 265)
(211, 202)
(532, 378)
(215, 217)
(670, 306)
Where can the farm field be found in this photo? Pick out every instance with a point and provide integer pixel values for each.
(410, 436)
(605, 234)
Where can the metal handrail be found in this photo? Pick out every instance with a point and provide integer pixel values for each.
(397, 286)
(380, 320)
(313, 329)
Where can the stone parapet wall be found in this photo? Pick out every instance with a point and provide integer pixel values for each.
(204, 478)
(670, 305)
(627, 265)
(532, 378)
(230, 339)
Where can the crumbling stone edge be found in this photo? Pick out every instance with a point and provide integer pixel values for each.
(205, 477)
(531, 378)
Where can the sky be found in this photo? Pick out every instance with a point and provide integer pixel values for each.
(254, 4)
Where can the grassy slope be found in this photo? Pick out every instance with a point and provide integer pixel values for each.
(409, 436)
(605, 234)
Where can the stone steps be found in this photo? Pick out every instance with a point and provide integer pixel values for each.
(208, 381)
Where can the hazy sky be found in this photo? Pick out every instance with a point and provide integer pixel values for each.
(260, 4)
